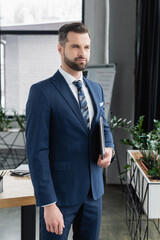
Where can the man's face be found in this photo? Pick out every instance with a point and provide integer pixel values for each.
(76, 52)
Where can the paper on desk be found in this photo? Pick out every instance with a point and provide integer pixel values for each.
(22, 168)
(21, 171)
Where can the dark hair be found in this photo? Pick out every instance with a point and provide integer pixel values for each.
(77, 27)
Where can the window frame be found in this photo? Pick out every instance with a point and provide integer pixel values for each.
(37, 32)
(2, 77)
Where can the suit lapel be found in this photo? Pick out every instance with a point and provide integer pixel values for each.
(95, 100)
(62, 86)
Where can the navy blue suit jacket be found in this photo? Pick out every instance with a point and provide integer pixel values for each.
(62, 153)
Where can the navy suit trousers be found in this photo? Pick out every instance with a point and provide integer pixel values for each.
(86, 220)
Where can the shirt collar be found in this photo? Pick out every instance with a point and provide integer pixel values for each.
(68, 77)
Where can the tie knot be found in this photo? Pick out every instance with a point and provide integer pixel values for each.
(78, 84)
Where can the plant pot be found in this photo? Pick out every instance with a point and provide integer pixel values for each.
(147, 189)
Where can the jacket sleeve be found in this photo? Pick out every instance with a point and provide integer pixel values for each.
(107, 133)
(37, 145)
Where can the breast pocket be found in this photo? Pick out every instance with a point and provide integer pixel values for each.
(101, 104)
(101, 108)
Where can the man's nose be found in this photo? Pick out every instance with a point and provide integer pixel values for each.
(82, 52)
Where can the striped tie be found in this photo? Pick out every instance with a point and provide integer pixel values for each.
(82, 102)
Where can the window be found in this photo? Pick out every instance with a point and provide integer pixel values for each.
(22, 14)
(29, 47)
(2, 67)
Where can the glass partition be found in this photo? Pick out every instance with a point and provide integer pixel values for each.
(28, 59)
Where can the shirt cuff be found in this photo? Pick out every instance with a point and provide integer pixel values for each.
(48, 204)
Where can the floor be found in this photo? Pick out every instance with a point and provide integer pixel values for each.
(113, 225)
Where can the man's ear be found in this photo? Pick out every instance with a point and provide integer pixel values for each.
(60, 49)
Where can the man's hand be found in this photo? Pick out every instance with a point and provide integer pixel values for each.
(105, 162)
(53, 219)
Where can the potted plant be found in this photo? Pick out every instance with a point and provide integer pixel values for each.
(148, 144)
(4, 120)
(142, 171)
(20, 119)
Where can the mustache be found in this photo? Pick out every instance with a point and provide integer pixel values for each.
(79, 58)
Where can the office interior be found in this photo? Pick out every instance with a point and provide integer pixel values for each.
(33, 57)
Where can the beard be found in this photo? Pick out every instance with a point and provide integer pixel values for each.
(76, 66)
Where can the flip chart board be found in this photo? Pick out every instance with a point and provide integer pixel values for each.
(104, 75)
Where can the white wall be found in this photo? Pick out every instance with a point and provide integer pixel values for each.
(95, 20)
(121, 51)
(29, 59)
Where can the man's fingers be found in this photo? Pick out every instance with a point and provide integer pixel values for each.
(52, 229)
(103, 163)
(48, 227)
(60, 228)
(56, 229)
(53, 219)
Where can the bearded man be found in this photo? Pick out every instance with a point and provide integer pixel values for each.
(63, 147)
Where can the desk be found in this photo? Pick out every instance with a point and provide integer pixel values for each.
(18, 191)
